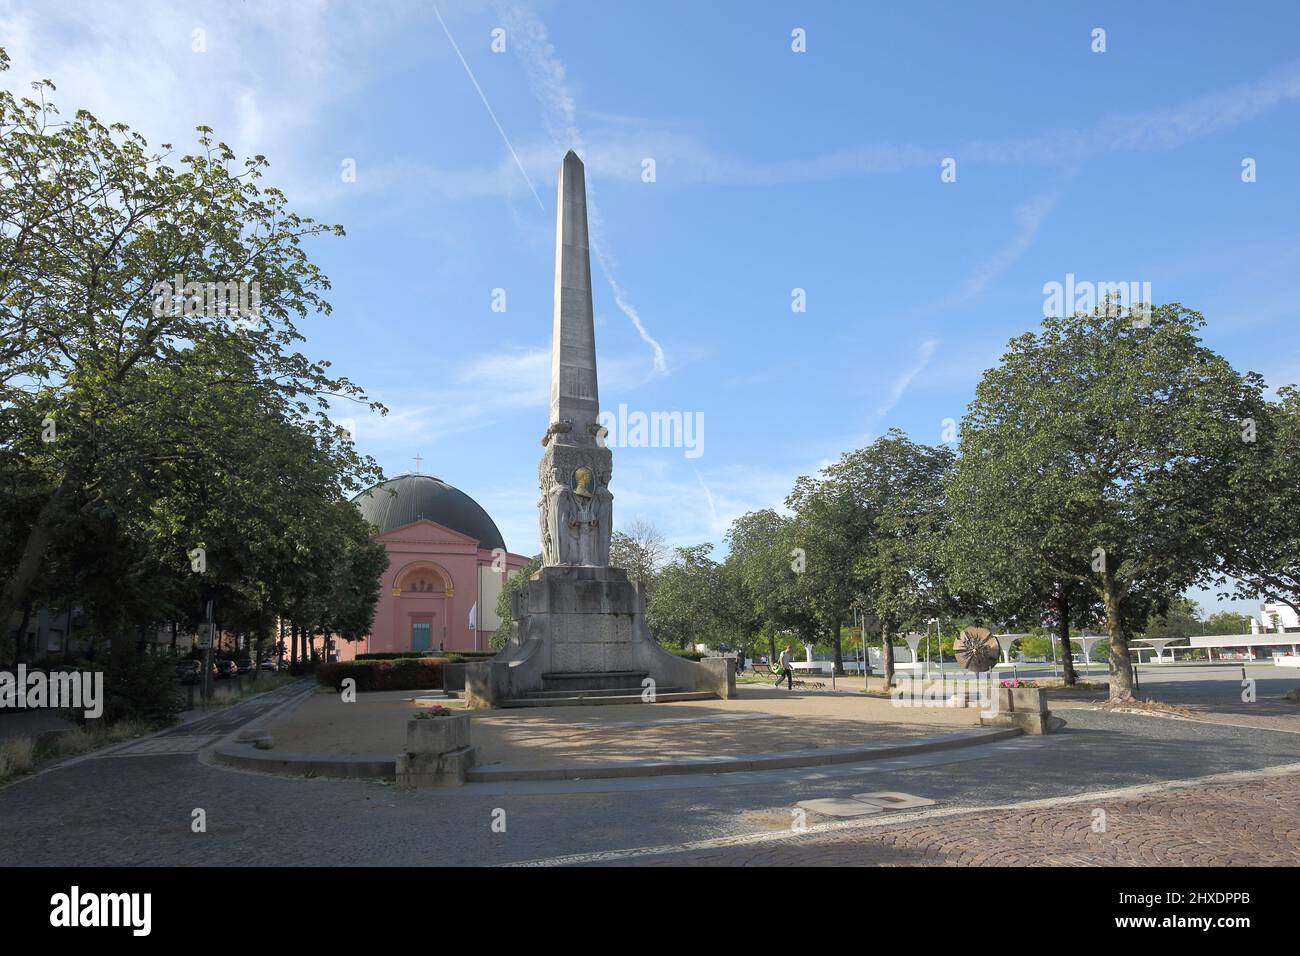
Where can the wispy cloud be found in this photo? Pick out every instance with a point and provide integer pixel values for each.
(900, 384)
(547, 77)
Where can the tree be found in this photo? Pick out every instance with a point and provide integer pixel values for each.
(1262, 557)
(516, 582)
(1182, 618)
(640, 549)
(1227, 622)
(826, 533)
(762, 560)
(1113, 441)
(93, 229)
(897, 490)
(683, 610)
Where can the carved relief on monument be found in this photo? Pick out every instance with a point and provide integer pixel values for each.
(576, 507)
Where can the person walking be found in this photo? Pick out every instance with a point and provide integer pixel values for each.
(787, 673)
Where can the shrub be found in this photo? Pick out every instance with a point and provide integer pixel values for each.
(15, 755)
(689, 655)
(143, 689)
(401, 673)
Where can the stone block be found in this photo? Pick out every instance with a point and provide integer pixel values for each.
(437, 735)
(1032, 700)
(423, 771)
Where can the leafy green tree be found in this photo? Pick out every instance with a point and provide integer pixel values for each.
(898, 491)
(1114, 441)
(684, 608)
(96, 228)
(827, 531)
(516, 582)
(1181, 619)
(1262, 557)
(1227, 622)
(761, 561)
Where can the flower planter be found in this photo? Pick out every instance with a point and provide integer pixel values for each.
(1028, 699)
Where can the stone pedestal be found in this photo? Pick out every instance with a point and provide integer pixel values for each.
(584, 627)
(1023, 707)
(437, 753)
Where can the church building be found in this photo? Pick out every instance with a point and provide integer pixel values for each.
(447, 564)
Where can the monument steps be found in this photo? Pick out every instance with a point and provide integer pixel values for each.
(630, 695)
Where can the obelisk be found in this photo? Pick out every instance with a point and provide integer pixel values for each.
(574, 394)
(576, 507)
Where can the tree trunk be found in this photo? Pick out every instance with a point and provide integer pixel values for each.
(14, 593)
(835, 643)
(1121, 668)
(887, 655)
(771, 648)
(1063, 633)
(20, 635)
(293, 647)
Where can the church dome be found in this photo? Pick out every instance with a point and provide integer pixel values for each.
(407, 498)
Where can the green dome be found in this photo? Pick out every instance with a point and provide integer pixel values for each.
(407, 498)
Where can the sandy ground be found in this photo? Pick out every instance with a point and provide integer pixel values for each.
(761, 720)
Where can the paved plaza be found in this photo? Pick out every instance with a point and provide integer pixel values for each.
(1023, 800)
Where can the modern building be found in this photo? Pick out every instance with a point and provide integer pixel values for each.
(447, 566)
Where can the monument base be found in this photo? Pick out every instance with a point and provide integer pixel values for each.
(582, 631)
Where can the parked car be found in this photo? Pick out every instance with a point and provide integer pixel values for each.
(189, 672)
(244, 665)
(226, 669)
(270, 665)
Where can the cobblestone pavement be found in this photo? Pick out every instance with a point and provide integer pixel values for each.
(136, 809)
(1250, 823)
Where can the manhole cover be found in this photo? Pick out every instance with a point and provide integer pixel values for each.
(839, 807)
(891, 800)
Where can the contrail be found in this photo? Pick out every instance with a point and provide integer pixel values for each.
(488, 105)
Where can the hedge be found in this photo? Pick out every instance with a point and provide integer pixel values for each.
(402, 673)
(456, 657)
(393, 655)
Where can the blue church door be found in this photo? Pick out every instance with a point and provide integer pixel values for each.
(420, 635)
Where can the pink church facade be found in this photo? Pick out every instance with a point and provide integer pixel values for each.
(435, 578)
(447, 565)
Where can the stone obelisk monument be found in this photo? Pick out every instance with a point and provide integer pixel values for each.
(580, 625)
(576, 507)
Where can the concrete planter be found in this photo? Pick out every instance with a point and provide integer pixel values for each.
(1031, 700)
(437, 754)
(437, 735)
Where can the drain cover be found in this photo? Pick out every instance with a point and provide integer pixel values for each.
(891, 800)
(839, 807)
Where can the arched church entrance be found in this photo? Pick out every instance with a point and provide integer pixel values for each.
(422, 592)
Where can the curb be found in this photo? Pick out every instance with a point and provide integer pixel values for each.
(305, 765)
(384, 768)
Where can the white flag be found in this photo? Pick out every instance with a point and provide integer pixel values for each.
(473, 614)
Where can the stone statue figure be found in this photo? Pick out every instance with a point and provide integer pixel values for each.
(585, 521)
(559, 508)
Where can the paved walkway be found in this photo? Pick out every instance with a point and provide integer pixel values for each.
(762, 720)
(1251, 822)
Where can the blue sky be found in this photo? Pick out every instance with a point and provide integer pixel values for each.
(775, 170)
